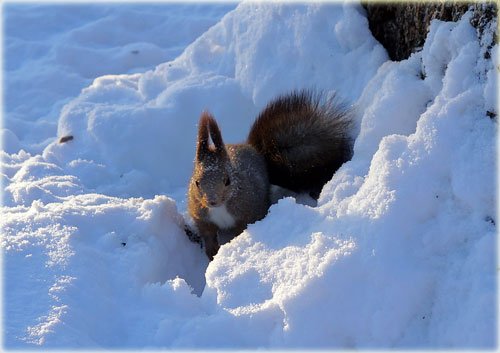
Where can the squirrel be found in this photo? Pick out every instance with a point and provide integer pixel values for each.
(297, 142)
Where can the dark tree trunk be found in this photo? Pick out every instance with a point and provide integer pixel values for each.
(402, 27)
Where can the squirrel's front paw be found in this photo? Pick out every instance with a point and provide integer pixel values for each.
(192, 235)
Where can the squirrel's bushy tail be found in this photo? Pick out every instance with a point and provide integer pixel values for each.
(304, 138)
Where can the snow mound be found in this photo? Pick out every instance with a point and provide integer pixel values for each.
(399, 252)
(52, 51)
(127, 122)
(95, 256)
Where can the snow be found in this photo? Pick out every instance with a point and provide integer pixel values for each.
(398, 253)
(53, 51)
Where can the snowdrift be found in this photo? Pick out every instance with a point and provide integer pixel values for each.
(52, 51)
(399, 252)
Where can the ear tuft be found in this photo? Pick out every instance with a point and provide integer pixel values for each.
(202, 143)
(216, 136)
(207, 126)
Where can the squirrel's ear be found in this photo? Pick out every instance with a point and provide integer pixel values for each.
(202, 143)
(216, 136)
(208, 127)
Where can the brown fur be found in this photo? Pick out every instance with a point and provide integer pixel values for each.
(304, 139)
(233, 176)
(297, 142)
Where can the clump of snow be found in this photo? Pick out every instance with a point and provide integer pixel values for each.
(399, 252)
(99, 261)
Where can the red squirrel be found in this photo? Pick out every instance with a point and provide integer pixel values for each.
(297, 142)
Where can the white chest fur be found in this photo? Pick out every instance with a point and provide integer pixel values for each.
(221, 217)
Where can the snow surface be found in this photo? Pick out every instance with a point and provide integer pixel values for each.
(53, 51)
(399, 252)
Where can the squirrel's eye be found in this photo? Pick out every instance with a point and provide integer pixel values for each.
(197, 182)
(227, 181)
